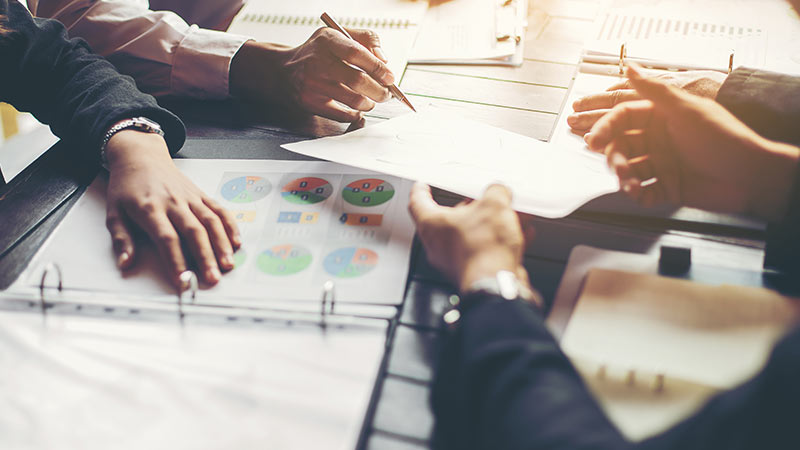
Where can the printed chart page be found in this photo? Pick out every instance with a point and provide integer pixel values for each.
(465, 157)
(103, 382)
(302, 224)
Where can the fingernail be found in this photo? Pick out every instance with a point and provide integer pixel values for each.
(572, 118)
(379, 53)
(122, 259)
(586, 137)
(617, 159)
(237, 240)
(227, 261)
(387, 78)
(213, 275)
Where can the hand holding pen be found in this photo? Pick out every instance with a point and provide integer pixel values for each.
(396, 92)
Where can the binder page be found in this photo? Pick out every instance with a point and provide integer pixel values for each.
(291, 22)
(102, 383)
(465, 157)
(302, 224)
(462, 30)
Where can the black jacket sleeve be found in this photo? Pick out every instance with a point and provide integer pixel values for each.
(77, 93)
(767, 102)
(502, 383)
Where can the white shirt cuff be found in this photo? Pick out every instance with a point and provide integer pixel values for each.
(202, 63)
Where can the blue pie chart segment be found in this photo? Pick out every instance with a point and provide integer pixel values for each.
(350, 262)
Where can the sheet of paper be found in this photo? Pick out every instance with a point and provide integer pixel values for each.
(465, 157)
(292, 23)
(717, 336)
(23, 148)
(462, 31)
(653, 350)
(100, 383)
(302, 224)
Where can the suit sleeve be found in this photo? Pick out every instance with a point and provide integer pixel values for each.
(767, 102)
(64, 85)
(502, 383)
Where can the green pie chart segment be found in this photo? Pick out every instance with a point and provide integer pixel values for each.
(368, 192)
(283, 260)
(307, 191)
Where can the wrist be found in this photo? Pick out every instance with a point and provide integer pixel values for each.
(776, 170)
(253, 68)
(131, 147)
(486, 265)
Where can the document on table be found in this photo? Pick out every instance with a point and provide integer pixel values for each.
(29, 140)
(99, 383)
(466, 32)
(302, 224)
(654, 349)
(465, 157)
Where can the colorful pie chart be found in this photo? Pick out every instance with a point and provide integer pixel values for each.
(350, 262)
(246, 189)
(284, 260)
(368, 192)
(307, 191)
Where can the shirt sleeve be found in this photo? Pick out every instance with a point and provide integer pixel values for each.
(77, 93)
(165, 54)
(767, 102)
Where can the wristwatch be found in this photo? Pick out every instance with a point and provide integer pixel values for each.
(504, 284)
(142, 124)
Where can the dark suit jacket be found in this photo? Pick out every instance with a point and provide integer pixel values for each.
(503, 383)
(77, 93)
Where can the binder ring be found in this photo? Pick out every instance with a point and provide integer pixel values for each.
(623, 54)
(48, 269)
(328, 294)
(189, 283)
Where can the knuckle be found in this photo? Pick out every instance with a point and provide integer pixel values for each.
(195, 232)
(167, 238)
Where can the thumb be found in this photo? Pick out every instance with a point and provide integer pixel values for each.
(660, 93)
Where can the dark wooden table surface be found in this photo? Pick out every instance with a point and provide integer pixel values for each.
(525, 100)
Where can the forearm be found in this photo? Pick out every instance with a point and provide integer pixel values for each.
(159, 49)
(503, 383)
(767, 102)
(78, 94)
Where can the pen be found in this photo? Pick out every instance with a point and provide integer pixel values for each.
(396, 92)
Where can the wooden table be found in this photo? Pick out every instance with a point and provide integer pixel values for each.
(525, 100)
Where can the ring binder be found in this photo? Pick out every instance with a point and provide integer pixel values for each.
(49, 268)
(188, 305)
(188, 283)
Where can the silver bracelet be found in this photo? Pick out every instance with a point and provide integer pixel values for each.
(142, 124)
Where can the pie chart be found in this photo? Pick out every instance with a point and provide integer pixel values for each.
(368, 192)
(350, 262)
(284, 260)
(307, 191)
(246, 189)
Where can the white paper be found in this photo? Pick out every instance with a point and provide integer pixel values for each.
(294, 239)
(292, 23)
(21, 150)
(464, 31)
(90, 383)
(465, 157)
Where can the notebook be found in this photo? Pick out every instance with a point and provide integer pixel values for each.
(472, 32)
(292, 23)
(654, 349)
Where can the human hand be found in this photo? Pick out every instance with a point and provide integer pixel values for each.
(321, 76)
(683, 149)
(589, 109)
(473, 240)
(145, 189)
